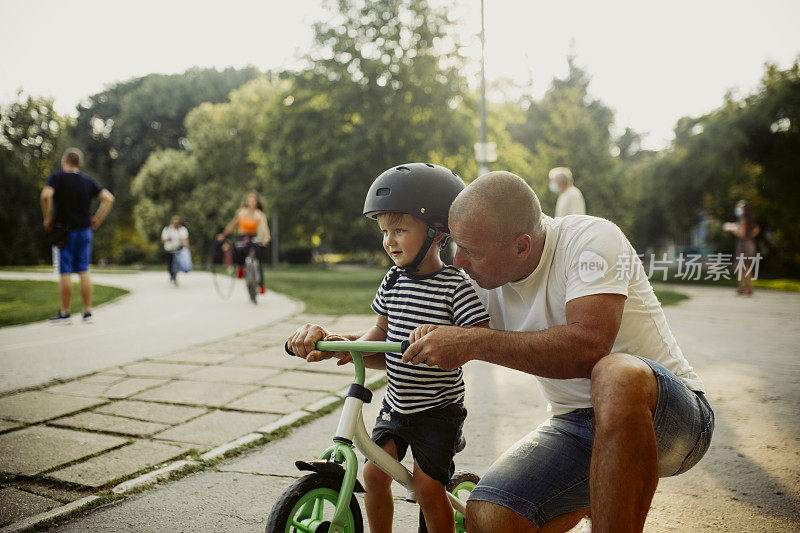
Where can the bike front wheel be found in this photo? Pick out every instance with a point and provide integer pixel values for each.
(251, 268)
(308, 506)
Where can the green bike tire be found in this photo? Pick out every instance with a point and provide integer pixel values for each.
(460, 483)
(308, 505)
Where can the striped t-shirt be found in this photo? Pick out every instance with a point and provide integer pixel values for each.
(444, 297)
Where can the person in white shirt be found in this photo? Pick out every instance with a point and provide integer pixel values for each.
(175, 236)
(570, 200)
(569, 303)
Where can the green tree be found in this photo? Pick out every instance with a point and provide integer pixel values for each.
(384, 88)
(31, 141)
(119, 128)
(568, 127)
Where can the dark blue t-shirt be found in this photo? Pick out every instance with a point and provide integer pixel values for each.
(73, 195)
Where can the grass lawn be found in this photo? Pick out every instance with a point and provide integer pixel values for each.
(23, 301)
(345, 291)
(338, 291)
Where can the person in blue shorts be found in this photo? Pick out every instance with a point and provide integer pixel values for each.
(424, 405)
(66, 201)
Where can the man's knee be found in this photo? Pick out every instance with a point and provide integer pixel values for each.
(622, 382)
(486, 517)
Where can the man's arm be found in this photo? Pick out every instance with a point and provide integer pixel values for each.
(106, 201)
(46, 200)
(562, 352)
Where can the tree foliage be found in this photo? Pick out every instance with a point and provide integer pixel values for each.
(30, 149)
(119, 127)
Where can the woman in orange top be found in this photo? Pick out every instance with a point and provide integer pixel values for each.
(251, 223)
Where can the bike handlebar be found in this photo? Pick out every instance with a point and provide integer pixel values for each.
(357, 346)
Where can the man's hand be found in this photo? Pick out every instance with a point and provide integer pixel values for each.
(303, 340)
(447, 347)
(48, 224)
(95, 223)
(421, 331)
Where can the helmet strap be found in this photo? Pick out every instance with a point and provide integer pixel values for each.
(413, 266)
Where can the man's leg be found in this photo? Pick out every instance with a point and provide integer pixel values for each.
(485, 517)
(624, 467)
(65, 290)
(86, 291)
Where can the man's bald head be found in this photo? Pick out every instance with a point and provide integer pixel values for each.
(505, 202)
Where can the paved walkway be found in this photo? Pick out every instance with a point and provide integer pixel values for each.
(85, 408)
(154, 319)
(75, 443)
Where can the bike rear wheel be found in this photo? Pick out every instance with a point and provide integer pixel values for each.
(222, 265)
(308, 505)
(251, 267)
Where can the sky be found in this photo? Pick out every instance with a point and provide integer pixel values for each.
(651, 62)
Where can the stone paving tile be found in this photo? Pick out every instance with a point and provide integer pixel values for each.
(36, 406)
(106, 379)
(158, 370)
(196, 393)
(17, 504)
(121, 388)
(309, 380)
(49, 490)
(5, 425)
(151, 411)
(35, 449)
(231, 374)
(121, 462)
(131, 386)
(269, 357)
(198, 357)
(276, 400)
(217, 427)
(110, 424)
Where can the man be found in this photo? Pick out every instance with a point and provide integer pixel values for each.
(66, 199)
(175, 237)
(569, 303)
(570, 200)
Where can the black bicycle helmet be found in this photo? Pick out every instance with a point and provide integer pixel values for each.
(423, 190)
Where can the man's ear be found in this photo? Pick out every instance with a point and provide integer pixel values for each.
(523, 245)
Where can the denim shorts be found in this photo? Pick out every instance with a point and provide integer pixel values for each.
(432, 436)
(77, 254)
(546, 473)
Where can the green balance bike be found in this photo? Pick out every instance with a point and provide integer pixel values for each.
(323, 500)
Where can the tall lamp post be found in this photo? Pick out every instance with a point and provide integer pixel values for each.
(485, 152)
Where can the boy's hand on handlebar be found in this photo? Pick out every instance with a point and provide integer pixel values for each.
(343, 357)
(420, 332)
(303, 340)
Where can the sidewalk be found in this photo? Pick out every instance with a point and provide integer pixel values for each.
(79, 442)
(154, 319)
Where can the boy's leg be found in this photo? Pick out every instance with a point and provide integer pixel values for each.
(378, 498)
(432, 498)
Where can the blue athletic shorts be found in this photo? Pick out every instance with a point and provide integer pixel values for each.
(546, 473)
(77, 254)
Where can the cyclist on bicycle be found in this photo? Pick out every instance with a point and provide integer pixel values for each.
(252, 230)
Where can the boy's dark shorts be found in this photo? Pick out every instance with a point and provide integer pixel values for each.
(432, 435)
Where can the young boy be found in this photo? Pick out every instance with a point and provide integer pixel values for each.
(424, 406)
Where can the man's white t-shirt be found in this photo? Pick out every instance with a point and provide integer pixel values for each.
(585, 255)
(173, 237)
(570, 202)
